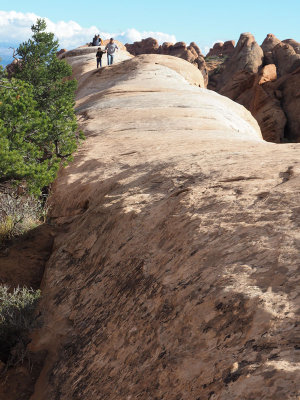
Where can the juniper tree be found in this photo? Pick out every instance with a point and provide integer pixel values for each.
(37, 119)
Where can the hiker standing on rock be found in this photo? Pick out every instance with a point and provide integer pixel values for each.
(111, 48)
(99, 55)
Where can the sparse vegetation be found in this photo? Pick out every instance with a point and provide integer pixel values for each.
(17, 309)
(18, 213)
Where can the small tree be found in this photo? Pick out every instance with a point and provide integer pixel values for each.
(26, 150)
(37, 120)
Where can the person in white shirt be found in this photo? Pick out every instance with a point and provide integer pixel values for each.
(111, 48)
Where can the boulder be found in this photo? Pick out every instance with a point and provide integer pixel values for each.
(145, 46)
(194, 46)
(61, 51)
(238, 71)
(228, 47)
(247, 56)
(216, 50)
(179, 45)
(165, 48)
(294, 44)
(285, 58)
(221, 49)
(267, 46)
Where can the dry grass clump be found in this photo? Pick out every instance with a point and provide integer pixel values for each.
(18, 213)
(17, 309)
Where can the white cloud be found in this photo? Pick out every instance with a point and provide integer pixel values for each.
(132, 35)
(15, 28)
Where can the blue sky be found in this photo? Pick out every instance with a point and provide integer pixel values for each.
(204, 22)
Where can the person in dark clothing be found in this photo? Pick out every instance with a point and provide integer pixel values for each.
(99, 55)
(94, 40)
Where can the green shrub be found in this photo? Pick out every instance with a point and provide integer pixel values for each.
(38, 127)
(16, 317)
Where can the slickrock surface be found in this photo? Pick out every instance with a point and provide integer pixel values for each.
(175, 275)
(86, 55)
(191, 53)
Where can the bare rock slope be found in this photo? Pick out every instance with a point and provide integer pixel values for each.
(191, 53)
(175, 272)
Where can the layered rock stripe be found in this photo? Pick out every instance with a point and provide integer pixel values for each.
(175, 270)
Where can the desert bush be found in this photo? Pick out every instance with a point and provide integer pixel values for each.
(16, 317)
(18, 213)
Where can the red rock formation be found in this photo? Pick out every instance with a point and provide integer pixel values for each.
(222, 49)
(194, 46)
(271, 93)
(228, 47)
(61, 51)
(145, 46)
(216, 50)
(289, 88)
(236, 74)
(294, 44)
(261, 101)
(268, 46)
(286, 58)
(191, 53)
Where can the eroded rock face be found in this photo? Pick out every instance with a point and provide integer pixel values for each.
(175, 273)
(145, 46)
(263, 85)
(191, 53)
(286, 58)
(294, 44)
(264, 103)
(268, 46)
(289, 87)
(246, 58)
(222, 49)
